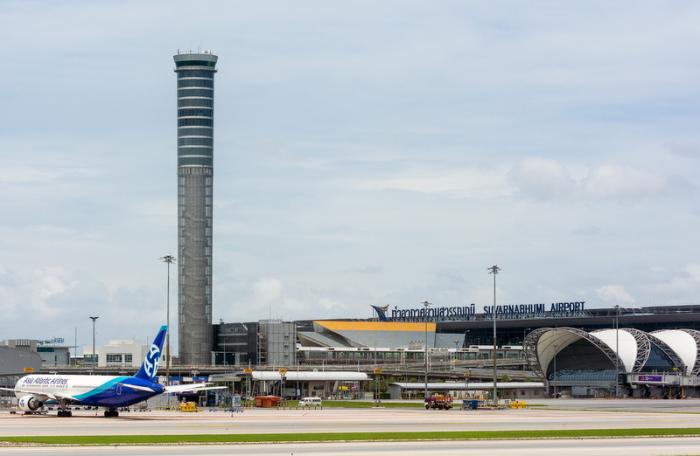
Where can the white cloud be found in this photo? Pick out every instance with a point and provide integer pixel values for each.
(542, 178)
(269, 291)
(610, 181)
(272, 299)
(295, 296)
(547, 179)
(34, 291)
(685, 150)
(688, 282)
(23, 174)
(51, 301)
(615, 293)
(43, 173)
(328, 304)
(473, 183)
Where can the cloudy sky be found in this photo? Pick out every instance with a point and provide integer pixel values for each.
(366, 153)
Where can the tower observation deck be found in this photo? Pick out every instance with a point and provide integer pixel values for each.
(195, 174)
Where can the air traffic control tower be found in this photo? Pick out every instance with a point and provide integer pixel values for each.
(195, 174)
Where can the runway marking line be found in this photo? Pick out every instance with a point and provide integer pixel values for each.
(347, 437)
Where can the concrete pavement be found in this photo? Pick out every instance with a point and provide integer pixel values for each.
(336, 420)
(616, 447)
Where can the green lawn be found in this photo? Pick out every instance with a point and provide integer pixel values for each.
(348, 436)
(368, 404)
(361, 404)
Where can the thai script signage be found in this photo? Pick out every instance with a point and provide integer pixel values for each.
(503, 312)
(434, 313)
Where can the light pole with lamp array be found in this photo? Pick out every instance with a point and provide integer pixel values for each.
(456, 352)
(94, 355)
(494, 270)
(617, 351)
(426, 305)
(168, 259)
(522, 352)
(467, 374)
(554, 372)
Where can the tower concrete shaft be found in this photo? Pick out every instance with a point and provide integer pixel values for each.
(195, 174)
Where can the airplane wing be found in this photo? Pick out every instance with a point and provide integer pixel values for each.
(137, 387)
(43, 395)
(191, 388)
(40, 394)
(63, 397)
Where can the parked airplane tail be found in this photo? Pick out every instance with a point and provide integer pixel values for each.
(149, 368)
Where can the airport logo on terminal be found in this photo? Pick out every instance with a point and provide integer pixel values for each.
(381, 312)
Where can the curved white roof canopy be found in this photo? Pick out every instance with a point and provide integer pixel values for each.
(682, 343)
(552, 342)
(682, 346)
(627, 351)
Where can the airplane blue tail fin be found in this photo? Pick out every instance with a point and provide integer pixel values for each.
(149, 368)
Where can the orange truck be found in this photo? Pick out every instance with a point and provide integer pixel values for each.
(439, 402)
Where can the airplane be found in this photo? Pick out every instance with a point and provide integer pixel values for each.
(108, 391)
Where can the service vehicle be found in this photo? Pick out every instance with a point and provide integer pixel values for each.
(310, 402)
(439, 402)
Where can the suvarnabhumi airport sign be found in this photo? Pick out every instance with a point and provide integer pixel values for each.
(537, 309)
(505, 312)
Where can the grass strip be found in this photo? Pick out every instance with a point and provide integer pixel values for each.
(347, 436)
(359, 404)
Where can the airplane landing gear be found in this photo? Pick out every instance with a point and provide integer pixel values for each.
(63, 409)
(111, 413)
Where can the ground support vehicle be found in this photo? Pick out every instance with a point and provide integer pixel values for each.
(439, 402)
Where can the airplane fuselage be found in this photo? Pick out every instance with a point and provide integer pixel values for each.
(108, 391)
(94, 390)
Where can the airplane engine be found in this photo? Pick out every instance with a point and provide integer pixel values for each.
(29, 403)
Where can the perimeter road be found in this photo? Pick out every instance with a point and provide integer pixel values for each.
(302, 437)
(587, 447)
(335, 420)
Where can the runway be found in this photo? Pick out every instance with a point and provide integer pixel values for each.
(617, 447)
(625, 405)
(335, 420)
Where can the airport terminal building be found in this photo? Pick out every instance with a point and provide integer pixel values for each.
(448, 328)
(571, 347)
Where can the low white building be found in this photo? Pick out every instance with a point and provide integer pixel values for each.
(118, 353)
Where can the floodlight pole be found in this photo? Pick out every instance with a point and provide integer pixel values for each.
(168, 259)
(617, 351)
(426, 304)
(554, 374)
(494, 270)
(94, 355)
(454, 360)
